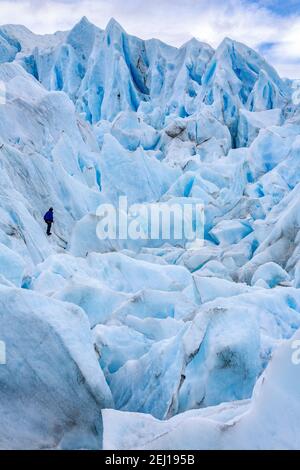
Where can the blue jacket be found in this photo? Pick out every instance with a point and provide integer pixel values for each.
(48, 217)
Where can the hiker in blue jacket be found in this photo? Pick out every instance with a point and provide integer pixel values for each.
(48, 218)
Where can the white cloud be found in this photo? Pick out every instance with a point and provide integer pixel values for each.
(173, 21)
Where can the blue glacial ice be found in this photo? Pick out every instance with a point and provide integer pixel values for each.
(181, 346)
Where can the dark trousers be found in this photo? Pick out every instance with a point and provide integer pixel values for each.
(49, 224)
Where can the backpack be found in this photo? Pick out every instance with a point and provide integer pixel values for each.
(47, 217)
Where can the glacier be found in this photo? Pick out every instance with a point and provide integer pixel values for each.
(147, 344)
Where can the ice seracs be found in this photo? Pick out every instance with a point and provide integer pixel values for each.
(247, 424)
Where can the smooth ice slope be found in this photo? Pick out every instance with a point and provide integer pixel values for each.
(51, 368)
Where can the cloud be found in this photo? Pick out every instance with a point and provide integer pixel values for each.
(270, 26)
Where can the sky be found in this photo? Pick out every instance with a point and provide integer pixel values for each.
(272, 27)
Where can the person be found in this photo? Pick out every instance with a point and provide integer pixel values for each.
(48, 218)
